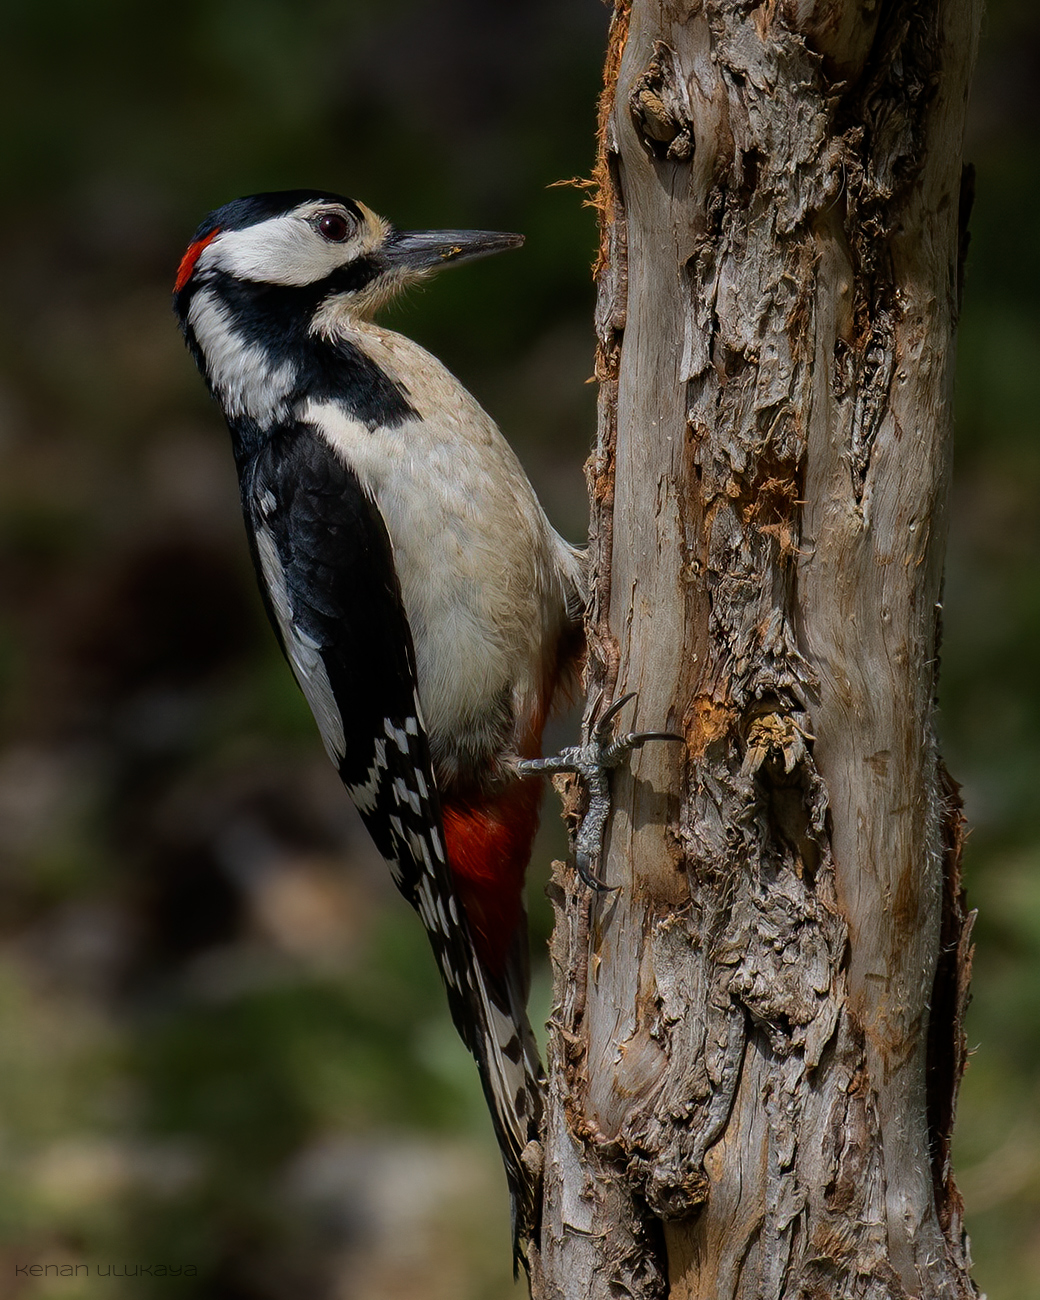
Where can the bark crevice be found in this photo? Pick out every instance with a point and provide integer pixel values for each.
(748, 1088)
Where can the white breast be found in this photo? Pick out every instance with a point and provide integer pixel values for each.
(484, 578)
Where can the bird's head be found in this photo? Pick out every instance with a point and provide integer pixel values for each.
(334, 248)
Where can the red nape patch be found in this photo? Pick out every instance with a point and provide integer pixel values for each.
(489, 845)
(190, 258)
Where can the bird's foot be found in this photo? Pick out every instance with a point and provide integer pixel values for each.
(593, 760)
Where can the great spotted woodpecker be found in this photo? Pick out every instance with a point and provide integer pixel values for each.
(429, 611)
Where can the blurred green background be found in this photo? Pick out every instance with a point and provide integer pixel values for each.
(222, 1041)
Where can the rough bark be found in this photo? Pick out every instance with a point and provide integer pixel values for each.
(748, 1096)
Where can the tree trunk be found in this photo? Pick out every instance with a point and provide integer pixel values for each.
(756, 1040)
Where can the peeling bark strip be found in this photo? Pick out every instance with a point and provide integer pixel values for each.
(748, 1097)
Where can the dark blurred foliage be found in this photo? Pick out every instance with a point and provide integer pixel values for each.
(990, 718)
(222, 1041)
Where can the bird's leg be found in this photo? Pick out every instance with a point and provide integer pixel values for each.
(593, 760)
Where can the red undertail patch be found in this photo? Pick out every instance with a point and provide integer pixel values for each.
(489, 844)
(191, 257)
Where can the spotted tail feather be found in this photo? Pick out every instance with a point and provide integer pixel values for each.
(487, 997)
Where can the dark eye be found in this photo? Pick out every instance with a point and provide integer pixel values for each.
(334, 227)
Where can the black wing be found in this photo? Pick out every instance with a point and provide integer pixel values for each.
(327, 572)
(326, 568)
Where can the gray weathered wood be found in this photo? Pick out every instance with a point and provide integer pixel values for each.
(747, 1096)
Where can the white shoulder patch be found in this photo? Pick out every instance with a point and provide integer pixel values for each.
(370, 453)
(304, 654)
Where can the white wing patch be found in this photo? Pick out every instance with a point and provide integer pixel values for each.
(403, 795)
(411, 806)
(304, 654)
(399, 735)
(366, 793)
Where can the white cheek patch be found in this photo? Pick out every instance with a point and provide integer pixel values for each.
(303, 653)
(282, 250)
(241, 373)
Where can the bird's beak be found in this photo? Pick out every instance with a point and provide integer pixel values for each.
(416, 251)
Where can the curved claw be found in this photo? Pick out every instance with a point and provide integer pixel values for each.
(592, 761)
(603, 725)
(616, 750)
(591, 880)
